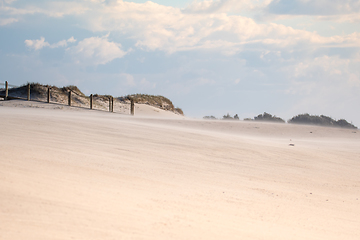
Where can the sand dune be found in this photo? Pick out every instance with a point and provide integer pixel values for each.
(81, 174)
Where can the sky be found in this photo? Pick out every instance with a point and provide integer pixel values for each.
(209, 57)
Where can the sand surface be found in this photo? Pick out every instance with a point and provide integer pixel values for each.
(80, 174)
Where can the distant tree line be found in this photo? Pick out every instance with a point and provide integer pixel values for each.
(321, 120)
(299, 119)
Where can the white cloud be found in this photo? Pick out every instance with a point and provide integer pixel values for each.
(71, 40)
(90, 51)
(40, 43)
(6, 21)
(63, 43)
(95, 51)
(37, 44)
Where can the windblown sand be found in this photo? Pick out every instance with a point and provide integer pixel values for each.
(96, 175)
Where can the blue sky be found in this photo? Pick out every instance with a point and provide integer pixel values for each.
(216, 57)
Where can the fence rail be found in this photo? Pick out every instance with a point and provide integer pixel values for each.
(4, 93)
(10, 85)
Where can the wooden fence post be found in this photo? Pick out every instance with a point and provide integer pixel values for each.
(69, 97)
(48, 95)
(132, 105)
(28, 92)
(109, 104)
(6, 90)
(91, 101)
(112, 104)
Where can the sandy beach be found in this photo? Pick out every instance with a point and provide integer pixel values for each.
(71, 173)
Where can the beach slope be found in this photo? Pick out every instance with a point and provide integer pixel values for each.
(98, 175)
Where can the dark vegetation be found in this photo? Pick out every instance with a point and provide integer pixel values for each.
(228, 117)
(268, 117)
(210, 117)
(299, 119)
(320, 120)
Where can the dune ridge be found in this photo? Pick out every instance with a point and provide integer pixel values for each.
(57, 95)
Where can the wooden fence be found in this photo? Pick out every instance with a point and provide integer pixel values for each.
(6, 97)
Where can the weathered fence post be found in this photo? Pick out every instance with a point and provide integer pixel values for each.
(48, 95)
(28, 92)
(109, 104)
(112, 104)
(69, 97)
(132, 106)
(6, 90)
(91, 101)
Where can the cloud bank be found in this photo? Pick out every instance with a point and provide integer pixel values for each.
(169, 29)
(157, 27)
